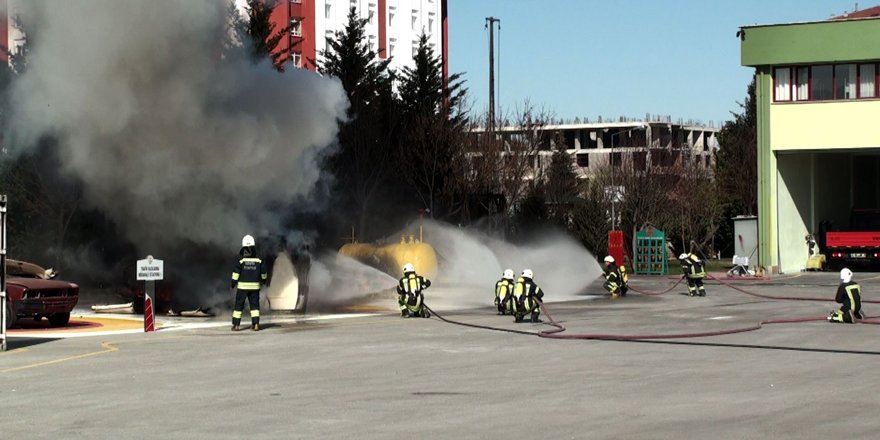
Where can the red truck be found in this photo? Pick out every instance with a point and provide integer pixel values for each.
(860, 245)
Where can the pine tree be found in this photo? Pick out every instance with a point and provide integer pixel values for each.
(737, 160)
(264, 38)
(362, 162)
(433, 121)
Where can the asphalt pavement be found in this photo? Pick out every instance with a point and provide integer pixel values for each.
(383, 377)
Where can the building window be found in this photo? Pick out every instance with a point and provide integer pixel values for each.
(845, 81)
(415, 18)
(782, 81)
(392, 43)
(822, 83)
(297, 59)
(328, 37)
(371, 13)
(802, 84)
(296, 1)
(431, 22)
(391, 11)
(583, 160)
(327, 11)
(867, 74)
(415, 48)
(296, 27)
(372, 42)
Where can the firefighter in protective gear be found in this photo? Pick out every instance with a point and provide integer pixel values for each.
(504, 292)
(409, 293)
(849, 295)
(615, 278)
(694, 271)
(527, 297)
(247, 276)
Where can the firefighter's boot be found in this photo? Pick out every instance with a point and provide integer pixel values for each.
(535, 317)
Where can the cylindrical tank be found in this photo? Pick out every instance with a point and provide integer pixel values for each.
(390, 258)
(283, 292)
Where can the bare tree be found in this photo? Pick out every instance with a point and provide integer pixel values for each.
(697, 207)
(507, 161)
(46, 198)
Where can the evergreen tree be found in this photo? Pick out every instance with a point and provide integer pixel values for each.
(561, 185)
(736, 169)
(264, 39)
(361, 163)
(433, 121)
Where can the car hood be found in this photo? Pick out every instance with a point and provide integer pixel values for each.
(38, 284)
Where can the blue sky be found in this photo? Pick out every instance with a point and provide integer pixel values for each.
(618, 57)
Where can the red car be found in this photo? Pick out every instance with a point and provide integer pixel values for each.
(31, 292)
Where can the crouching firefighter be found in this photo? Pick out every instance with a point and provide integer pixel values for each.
(504, 293)
(694, 271)
(527, 297)
(248, 275)
(615, 278)
(409, 293)
(849, 295)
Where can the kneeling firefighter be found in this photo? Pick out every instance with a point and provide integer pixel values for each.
(504, 292)
(849, 295)
(694, 271)
(615, 278)
(409, 293)
(527, 297)
(248, 275)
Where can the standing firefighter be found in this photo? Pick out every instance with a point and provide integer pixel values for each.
(849, 295)
(694, 271)
(504, 292)
(248, 275)
(615, 278)
(409, 293)
(527, 297)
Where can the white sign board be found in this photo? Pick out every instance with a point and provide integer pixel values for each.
(150, 269)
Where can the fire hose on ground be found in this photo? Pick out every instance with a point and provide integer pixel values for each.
(558, 328)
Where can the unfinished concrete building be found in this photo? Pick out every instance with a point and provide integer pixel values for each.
(593, 145)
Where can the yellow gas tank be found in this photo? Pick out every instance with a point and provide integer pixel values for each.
(390, 258)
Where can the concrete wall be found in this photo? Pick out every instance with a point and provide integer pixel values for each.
(793, 209)
(823, 125)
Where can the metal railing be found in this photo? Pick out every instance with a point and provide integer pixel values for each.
(3, 307)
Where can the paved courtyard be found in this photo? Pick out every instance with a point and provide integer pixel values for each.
(382, 377)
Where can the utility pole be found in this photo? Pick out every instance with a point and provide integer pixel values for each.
(490, 24)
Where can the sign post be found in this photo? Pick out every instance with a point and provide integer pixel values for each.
(150, 270)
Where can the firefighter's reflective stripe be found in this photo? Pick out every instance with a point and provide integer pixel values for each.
(696, 269)
(236, 314)
(254, 313)
(851, 292)
(249, 274)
